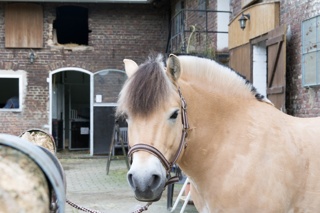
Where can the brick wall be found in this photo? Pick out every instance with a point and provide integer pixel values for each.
(301, 101)
(196, 39)
(118, 31)
(235, 6)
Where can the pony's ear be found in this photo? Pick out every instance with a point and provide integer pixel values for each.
(173, 67)
(130, 66)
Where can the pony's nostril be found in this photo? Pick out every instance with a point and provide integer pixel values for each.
(155, 181)
(130, 179)
(152, 182)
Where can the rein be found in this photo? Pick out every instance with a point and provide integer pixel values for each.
(183, 144)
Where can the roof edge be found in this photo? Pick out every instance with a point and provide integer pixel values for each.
(86, 1)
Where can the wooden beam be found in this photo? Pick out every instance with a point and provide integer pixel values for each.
(275, 90)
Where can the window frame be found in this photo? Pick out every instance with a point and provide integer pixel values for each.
(20, 75)
(305, 52)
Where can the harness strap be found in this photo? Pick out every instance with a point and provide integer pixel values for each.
(184, 116)
(172, 180)
(185, 127)
(151, 150)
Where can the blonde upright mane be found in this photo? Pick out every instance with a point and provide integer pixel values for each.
(219, 77)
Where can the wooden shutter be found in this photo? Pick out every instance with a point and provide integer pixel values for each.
(276, 48)
(240, 60)
(23, 26)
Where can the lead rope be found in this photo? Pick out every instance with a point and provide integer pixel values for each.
(84, 209)
(143, 208)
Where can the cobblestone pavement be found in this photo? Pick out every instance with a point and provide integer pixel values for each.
(88, 185)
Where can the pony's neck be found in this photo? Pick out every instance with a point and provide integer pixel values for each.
(215, 96)
(215, 77)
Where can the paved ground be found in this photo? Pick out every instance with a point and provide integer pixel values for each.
(88, 185)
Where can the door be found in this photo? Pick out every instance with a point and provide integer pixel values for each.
(107, 85)
(70, 102)
(276, 82)
(259, 67)
(263, 62)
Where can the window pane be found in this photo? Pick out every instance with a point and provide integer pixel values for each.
(9, 93)
(318, 65)
(310, 51)
(318, 33)
(309, 64)
(107, 85)
(309, 36)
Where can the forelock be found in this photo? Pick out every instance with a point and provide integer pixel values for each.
(144, 92)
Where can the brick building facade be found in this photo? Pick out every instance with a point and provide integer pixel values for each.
(302, 100)
(117, 31)
(55, 56)
(200, 27)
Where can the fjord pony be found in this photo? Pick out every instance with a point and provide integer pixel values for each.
(242, 154)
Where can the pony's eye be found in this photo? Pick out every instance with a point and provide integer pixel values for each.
(174, 115)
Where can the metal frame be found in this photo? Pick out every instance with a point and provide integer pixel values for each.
(182, 13)
(179, 198)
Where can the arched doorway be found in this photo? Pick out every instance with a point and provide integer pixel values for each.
(70, 116)
(82, 106)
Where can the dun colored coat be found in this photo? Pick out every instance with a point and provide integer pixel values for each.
(243, 155)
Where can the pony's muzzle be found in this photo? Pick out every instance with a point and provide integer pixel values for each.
(148, 190)
(147, 180)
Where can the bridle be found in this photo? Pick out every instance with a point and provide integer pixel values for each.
(183, 144)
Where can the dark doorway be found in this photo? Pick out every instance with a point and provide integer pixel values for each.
(71, 110)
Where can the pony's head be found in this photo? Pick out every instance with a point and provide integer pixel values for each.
(151, 104)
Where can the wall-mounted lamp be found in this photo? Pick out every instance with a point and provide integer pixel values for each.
(32, 56)
(243, 19)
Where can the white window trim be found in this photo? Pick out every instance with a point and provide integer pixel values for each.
(21, 75)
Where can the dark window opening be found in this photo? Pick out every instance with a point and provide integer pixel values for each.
(71, 25)
(9, 93)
